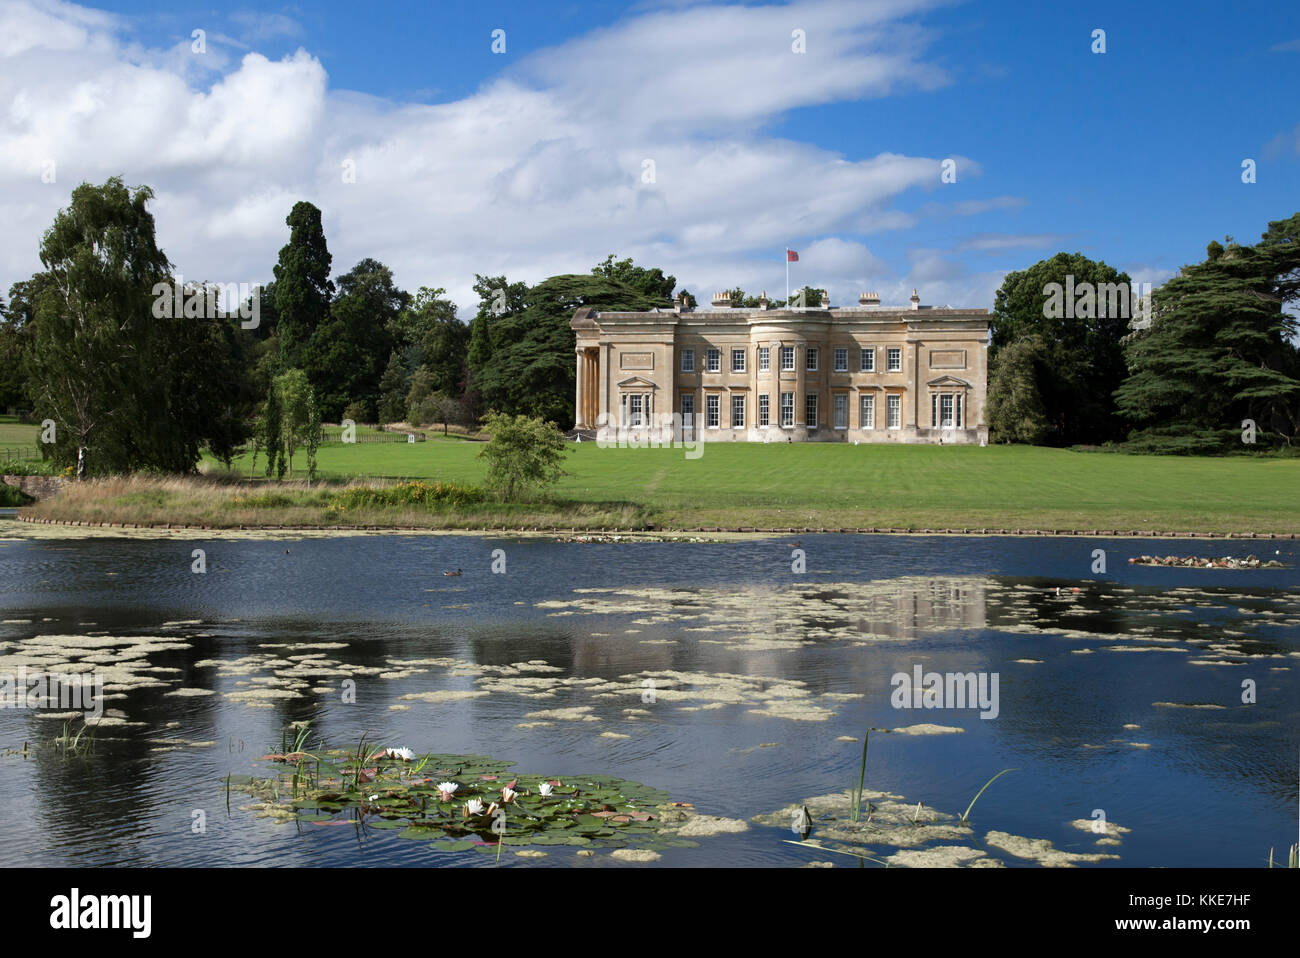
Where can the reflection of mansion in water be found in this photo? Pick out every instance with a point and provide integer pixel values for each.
(912, 607)
(866, 373)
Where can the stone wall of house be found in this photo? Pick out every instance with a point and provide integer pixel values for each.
(38, 487)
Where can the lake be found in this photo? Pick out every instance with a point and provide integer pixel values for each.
(711, 670)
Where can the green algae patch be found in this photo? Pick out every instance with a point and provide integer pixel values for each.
(458, 803)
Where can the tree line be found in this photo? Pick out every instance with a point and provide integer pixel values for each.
(82, 344)
(1209, 363)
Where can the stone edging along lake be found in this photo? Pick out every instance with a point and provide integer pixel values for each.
(658, 534)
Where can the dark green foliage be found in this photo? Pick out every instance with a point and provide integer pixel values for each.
(130, 382)
(272, 426)
(302, 284)
(348, 352)
(392, 391)
(1084, 361)
(530, 368)
(1220, 350)
(1015, 407)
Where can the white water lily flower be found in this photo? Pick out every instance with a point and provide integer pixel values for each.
(544, 788)
(474, 807)
(405, 754)
(446, 790)
(507, 795)
(373, 798)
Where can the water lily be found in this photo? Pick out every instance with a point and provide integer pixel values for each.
(545, 789)
(507, 795)
(473, 807)
(405, 754)
(446, 790)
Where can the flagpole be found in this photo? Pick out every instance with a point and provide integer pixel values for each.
(787, 277)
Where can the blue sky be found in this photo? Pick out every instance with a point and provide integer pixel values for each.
(530, 162)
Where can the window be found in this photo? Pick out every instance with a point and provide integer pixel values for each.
(763, 411)
(688, 360)
(867, 414)
(810, 409)
(737, 360)
(634, 404)
(811, 353)
(688, 409)
(868, 359)
(764, 359)
(841, 411)
(841, 360)
(945, 410)
(787, 409)
(714, 361)
(787, 358)
(895, 360)
(711, 403)
(895, 412)
(737, 411)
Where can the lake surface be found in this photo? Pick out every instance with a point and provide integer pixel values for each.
(758, 671)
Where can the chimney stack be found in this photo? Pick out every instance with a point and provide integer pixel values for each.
(722, 300)
(869, 299)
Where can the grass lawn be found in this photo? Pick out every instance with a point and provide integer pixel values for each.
(14, 433)
(823, 485)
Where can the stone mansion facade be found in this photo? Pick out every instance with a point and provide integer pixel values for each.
(867, 373)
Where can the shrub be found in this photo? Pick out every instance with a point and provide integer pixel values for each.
(430, 494)
(358, 412)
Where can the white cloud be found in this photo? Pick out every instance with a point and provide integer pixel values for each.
(540, 171)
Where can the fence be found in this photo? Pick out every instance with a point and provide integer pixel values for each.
(18, 453)
(335, 434)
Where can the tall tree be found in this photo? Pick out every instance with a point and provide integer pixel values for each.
(1220, 350)
(129, 381)
(302, 285)
(1082, 327)
(348, 352)
(531, 367)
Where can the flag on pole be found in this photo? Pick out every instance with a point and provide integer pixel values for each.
(791, 256)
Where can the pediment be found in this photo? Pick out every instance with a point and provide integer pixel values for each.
(637, 382)
(949, 381)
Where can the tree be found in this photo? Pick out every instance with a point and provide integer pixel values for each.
(1015, 407)
(649, 282)
(346, 356)
(523, 453)
(130, 381)
(272, 434)
(1220, 350)
(302, 285)
(313, 434)
(17, 334)
(530, 369)
(392, 390)
(296, 401)
(1081, 321)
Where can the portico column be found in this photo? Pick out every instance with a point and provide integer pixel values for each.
(580, 400)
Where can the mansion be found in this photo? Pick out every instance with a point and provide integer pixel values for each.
(866, 373)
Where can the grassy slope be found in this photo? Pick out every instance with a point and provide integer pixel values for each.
(897, 486)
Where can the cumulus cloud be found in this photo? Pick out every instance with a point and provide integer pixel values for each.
(650, 138)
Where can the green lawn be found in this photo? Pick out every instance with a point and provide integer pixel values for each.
(823, 485)
(14, 433)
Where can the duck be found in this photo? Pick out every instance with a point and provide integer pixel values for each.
(457, 572)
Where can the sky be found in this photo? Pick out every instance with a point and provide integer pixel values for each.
(530, 139)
